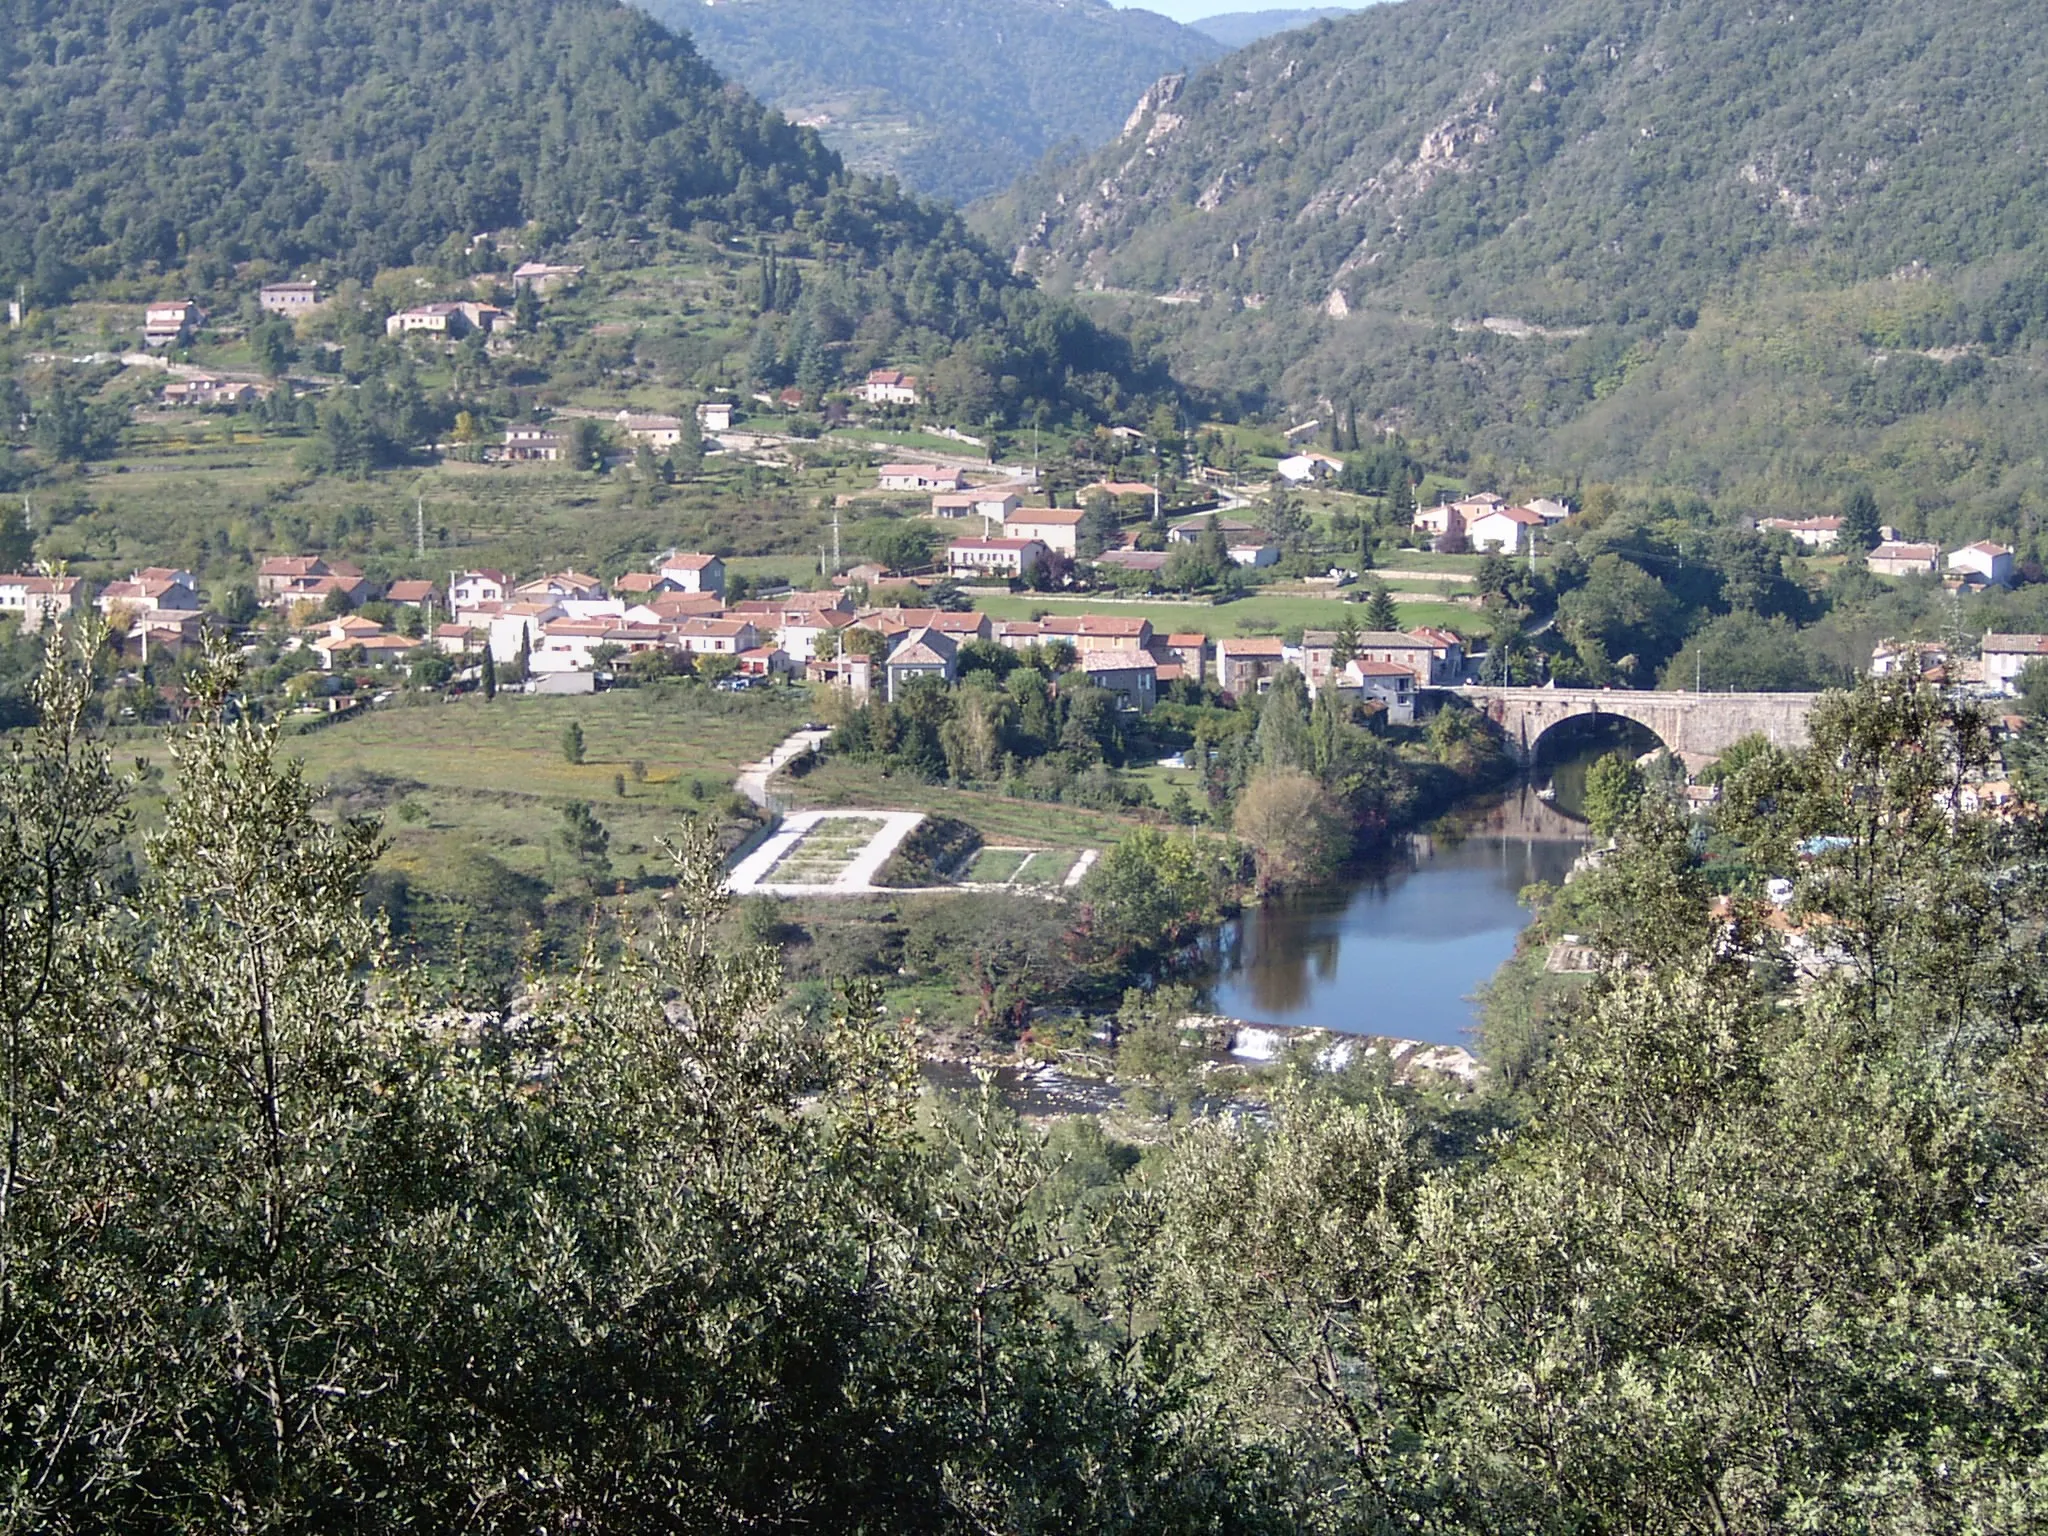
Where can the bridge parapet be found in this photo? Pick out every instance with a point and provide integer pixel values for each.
(1701, 724)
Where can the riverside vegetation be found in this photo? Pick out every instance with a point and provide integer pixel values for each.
(287, 1243)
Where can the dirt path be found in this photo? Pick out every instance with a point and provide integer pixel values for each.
(753, 779)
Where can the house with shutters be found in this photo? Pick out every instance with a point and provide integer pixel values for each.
(1505, 530)
(534, 445)
(1246, 666)
(1057, 528)
(2005, 657)
(1132, 676)
(171, 322)
(473, 590)
(1384, 683)
(714, 637)
(1010, 559)
(692, 573)
(1089, 633)
(887, 386)
(288, 299)
(920, 653)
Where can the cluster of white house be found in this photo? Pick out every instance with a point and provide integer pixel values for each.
(172, 322)
(1487, 523)
(1016, 539)
(1982, 564)
(1995, 669)
(570, 622)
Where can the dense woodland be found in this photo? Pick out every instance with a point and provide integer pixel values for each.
(286, 1244)
(169, 147)
(957, 98)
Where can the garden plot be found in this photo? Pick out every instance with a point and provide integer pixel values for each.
(1048, 869)
(1021, 869)
(824, 853)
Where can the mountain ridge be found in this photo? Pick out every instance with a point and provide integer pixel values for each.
(957, 98)
(1496, 228)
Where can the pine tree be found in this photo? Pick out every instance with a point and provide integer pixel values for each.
(1380, 613)
(490, 675)
(572, 742)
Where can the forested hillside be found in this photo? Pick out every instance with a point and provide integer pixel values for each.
(1701, 240)
(159, 149)
(956, 97)
(364, 133)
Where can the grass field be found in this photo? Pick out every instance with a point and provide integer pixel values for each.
(1254, 615)
(928, 442)
(1046, 870)
(493, 775)
(994, 866)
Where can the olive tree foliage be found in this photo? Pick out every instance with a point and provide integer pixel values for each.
(1764, 1252)
(287, 1248)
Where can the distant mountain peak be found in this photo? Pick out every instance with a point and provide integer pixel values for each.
(1240, 29)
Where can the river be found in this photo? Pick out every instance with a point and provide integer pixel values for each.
(1401, 946)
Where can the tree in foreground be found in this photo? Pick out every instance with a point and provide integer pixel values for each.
(287, 1245)
(286, 1248)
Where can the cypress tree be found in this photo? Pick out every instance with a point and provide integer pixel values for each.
(1860, 521)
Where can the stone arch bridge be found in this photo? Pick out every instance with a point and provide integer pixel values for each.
(1697, 724)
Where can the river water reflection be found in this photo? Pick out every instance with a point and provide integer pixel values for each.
(1401, 947)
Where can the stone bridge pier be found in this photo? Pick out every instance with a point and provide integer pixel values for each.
(1691, 724)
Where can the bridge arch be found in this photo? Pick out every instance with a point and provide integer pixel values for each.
(1603, 730)
(1690, 724)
